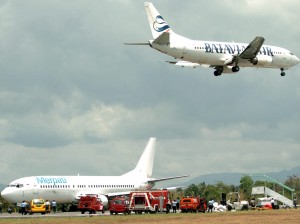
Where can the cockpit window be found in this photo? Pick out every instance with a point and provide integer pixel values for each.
(291, 53)
(16, 185)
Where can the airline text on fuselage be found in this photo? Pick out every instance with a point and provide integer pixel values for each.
(233, 48)
(53, 180)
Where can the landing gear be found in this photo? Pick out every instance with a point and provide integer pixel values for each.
(235, 68)
(282, 72)
(217, 73)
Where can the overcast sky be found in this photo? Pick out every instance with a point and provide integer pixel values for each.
(74, 99)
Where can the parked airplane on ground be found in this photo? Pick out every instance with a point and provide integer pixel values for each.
(224, 57)
(68, 189)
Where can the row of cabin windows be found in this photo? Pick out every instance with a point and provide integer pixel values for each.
(89, 186)
(274, 52)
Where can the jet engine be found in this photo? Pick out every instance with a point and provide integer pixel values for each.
(262, 60)
(103, 199)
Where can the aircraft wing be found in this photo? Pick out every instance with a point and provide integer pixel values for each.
(166, 178)
(253, 48)
(118, 193)
(184, 63)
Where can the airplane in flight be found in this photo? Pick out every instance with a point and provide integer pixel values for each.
(224, 57)
(68, 189)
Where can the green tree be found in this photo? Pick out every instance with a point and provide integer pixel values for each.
(294, 183)
(246, 184)
(192, 190)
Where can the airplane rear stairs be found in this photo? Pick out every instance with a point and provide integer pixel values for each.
(271, 193)
(267, 191)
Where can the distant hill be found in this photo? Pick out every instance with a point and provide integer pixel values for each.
(234, 178)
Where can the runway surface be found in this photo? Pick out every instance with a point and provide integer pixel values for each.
(52, 215)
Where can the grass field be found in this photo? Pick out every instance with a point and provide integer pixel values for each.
(270, 216)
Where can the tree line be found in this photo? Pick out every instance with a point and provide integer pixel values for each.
(214, 191)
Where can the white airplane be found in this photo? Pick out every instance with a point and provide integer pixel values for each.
(224, 57)
(68, 189)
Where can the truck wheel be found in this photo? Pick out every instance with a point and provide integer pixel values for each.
(82, 212)
(111, 212)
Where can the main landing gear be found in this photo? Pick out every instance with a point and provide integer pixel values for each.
(235, 68)
(282, 72)
(219, 70)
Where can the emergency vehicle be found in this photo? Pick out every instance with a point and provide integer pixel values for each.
(90, 203)
(193, 204)
(119, 205)
(150, 201)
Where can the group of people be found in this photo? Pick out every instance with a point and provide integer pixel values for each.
(175, 205)
(50, 205)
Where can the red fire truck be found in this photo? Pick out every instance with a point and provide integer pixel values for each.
(119, 205)
(90, 203)
(193, 204)
(150, 201)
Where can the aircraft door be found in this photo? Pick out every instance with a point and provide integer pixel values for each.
(35, 189)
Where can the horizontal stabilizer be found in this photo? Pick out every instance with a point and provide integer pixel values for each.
(144, 43)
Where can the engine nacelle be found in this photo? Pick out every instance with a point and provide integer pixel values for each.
(262, 60)
(103, 199)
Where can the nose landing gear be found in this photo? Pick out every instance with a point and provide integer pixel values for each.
(282, 72)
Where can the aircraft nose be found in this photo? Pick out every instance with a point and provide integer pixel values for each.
(297, 60)
(6, 194)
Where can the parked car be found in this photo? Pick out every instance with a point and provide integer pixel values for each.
(37, 206)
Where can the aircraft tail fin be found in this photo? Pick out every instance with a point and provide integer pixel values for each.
(157, 24)
(144, 167)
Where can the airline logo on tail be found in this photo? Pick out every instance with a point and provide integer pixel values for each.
(160, 24)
